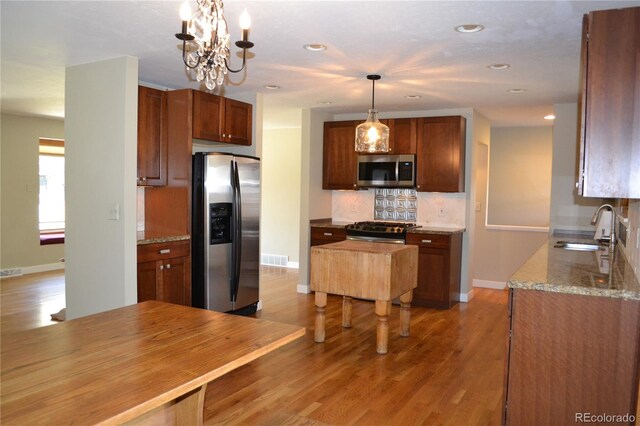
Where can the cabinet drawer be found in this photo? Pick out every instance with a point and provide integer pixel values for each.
(429, 240)
(327, 235)
(160, 251)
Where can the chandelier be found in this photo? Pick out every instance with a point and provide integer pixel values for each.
(205, 41)
(372, 135)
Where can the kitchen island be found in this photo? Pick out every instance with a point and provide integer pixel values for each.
(574, 338)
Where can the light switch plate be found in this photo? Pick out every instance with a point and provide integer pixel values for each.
(114, 211)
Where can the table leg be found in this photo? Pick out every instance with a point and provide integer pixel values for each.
(190, 407)
(321, 303)
(346, 311)
(405, 312)
(383, 309)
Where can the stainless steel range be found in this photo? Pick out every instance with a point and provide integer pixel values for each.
(381, 232)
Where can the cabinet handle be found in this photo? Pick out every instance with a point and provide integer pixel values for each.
(354, 185)
(165, 251)
(426, 241)
(328, 234)
(224, 135)
(168, 266)
(161, 267)
(418, 186)
(143, 179)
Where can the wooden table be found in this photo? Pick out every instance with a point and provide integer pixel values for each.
(379, 271)
(149, 362)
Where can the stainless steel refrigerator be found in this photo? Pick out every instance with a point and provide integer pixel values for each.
(225, 232)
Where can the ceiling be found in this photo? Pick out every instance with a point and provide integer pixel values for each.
(412, 44)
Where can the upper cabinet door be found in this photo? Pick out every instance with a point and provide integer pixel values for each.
(237, 122)
(403, 135)
(208, 111)
(152, 137)
(339, 155)
(441, 154)
(610, 104)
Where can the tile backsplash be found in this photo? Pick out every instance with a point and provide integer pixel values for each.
(395, 204)
(434, 209)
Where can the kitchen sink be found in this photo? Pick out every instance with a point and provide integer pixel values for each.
(577, 246)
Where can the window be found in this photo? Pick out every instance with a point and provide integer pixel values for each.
(51, 199)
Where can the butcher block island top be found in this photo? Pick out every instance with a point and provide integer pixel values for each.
(149, 362)
(362, 269)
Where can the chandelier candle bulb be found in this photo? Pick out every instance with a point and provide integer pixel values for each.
(245, 23)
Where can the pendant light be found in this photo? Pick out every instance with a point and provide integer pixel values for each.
(372, 135)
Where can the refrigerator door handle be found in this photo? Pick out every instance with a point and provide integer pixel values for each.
(238, 236)
(234, 226)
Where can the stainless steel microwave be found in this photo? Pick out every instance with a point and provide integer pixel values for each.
(387, 171)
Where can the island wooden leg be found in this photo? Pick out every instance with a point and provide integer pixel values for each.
(405, 313)
(321, 303)
(383, 309)
(346, 311)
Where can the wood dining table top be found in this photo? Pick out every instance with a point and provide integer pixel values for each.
(115, 365)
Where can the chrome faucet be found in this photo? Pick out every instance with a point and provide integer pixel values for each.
(596, 216)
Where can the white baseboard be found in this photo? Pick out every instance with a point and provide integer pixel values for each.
(304, 289)
(496, 285)
(259, 307)
(34, 269)
(466, 297)
(293, 265)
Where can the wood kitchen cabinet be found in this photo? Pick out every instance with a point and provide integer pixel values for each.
(439, 262)
(219, 119)
(152, 137)
(610, 104)
(441, 154)
(570, 354)
(403, 135)
(326, 235)
(164, 272)
(339, 155)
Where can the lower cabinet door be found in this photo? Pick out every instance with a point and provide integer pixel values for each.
(172, 287)
(148, 275)
(433, 278)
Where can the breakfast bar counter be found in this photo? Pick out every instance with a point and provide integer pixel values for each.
(149, 362)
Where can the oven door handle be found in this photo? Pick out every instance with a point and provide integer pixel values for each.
(375, 239)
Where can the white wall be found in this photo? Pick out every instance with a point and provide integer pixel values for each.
(569, 212)
(314, 202)
(281, 158)
(520, 176)
(19, 195)
(100, 147)
(497, 253)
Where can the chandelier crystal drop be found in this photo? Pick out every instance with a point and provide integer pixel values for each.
(205, 41)
(372, 135)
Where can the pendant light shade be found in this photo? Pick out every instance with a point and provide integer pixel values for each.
(372, 135)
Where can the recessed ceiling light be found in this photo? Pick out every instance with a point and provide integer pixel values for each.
(469, 28)
(271, 86)
(516, 90)
(413, 96)
(549, 117)
(315, 47)
(325, 102)
(499, 66)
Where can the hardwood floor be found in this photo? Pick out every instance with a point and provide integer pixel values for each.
(449, 371)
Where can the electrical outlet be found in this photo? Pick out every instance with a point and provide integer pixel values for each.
(442, 212)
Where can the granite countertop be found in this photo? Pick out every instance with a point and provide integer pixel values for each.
(149, 238)
(591, 273)
(424, 228)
